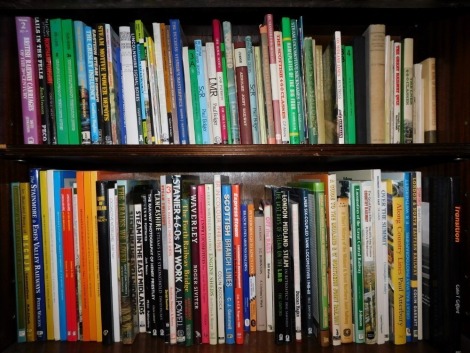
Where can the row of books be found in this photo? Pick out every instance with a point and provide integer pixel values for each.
(359, 256)
(86, 84)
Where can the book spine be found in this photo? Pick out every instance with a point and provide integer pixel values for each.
(407, 91)
(217, 37)
(37, 255)
(349, 94)
(204, 111)
(114, 260)
(241, 71)
(195, 265)
(287, 284)
(268, 246)
(187, 277)
(294, 214)
(278, 270)
(42, 80)
(76, 257)
(252, 266)
(169, 85)
(212, 91)
(81, 52)
(102, 217)
(245, 264)
(155, 117)
(176, 50)
(250, 63)
(46, 42)
(231, 83)
(104, 84)
(266, 86)
(416, 229)
(395, 129)
(149, 261)
(189, 96)
(136, 83)
(159, 273)
(260, 275)
(195, 97)
(429, 100)
(28, 80)
(144, 93)
(165, 329)
(97, 81)
(381, 252)
(280, 71)
(178, 258)
(91, 84)
(19, 262)
(203, 286)
(237, 263)
(297, 46)
(228, 275)
(227, 110)
(274, 77)
(139, 251)
(219, 258)
(294, 137)
(338, 74)
(259, 88)
(407, 199)
(310, 94)
(70, 73)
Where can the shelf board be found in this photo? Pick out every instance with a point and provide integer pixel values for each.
(236, 157)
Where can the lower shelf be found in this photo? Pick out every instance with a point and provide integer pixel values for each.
(254, 343)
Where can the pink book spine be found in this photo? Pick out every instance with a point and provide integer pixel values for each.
(217, 37)
(203, 280)
(28, 80)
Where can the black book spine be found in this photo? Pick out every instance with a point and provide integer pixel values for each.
(279, 272)
(193, 223)
(41, 63)
(158, 263)
(102, 216)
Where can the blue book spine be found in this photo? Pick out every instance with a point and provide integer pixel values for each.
(408, 247)
(228, 263)
(201, 81)
(250, 59)
(119, 95)
(245, 272)
(93, 105)
(177, 54)
(38, 258)
(81, 55)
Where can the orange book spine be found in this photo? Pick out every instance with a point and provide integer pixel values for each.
(237, 263)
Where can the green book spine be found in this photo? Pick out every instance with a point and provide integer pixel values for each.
(187, 275)
(349, 98)
(294, 137)
(310, 91)
(195, 96)
(71, 84)
(18, 257)
(298, 76)
(228, 114)
(322, 258)
(59, 81)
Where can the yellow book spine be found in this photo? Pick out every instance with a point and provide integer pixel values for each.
(26, 231)
(46, 254)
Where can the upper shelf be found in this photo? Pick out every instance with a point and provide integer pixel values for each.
(124, 4)
(189, 158)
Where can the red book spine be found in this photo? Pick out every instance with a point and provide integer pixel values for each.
(243, 93)
(203, 280)
(217, 37)
(69, 264)
(237, 263)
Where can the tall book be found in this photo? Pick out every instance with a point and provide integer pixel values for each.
(310, 92)
(92, 86)
(280, 70)
(429, 99)
(212, 90)
(348, 90)
(294, 224)
(407, 91)
(269, 269)
(19, 263)
(250, 63)
(203, 279)
(237, 263)
(260, 255)
(204, 110)
(375, 76)
(28, 80)
(245, 264)
(188, 293)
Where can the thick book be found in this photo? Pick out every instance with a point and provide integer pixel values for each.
(243, 91)
(92, 85)
(359, 88)
(18, 262)
(28, 82)
(297, 47)
(194, 87)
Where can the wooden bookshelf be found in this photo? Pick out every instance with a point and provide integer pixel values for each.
(440, 28)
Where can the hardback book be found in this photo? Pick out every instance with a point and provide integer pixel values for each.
(203, 106)
(218, 40)
(213, 91)
(418, 104)
(263, 124)
(310, 92)
(281, 83)
(329, 94)
(297, 45)
(174, 133)
(176, 51)
(19, 263)
(250, 64)
(92, 85)
(252, 265)
(429, 99)
(359, 67)
(274, 74)
(319, 88)
(396, 116)
(375, 76)
(188, 96)
(348, 90)
(70, 77)
(195, 97)
(225, 79)
(76, 248)
(28, 261)
(38, 251)
(268, 248)
(245, 264)
(388, 89)
(407, 91)
(27, 57)
(295, 224)
(243, 91)
(187, 277)
(203, 265)
(339, 89)
(82, 80)
(293, 118)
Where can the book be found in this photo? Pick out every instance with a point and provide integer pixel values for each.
(407, 91)
(19, 263)
(263, 124)
(203, 273)
(319, 88)
(297, 46)
(294, 214)
(76, 259)
(310, 99)
(211, 263)
(188, 297)
(176, 51)
(396, 115)
(212, 90)
(237, 263)
(418, 104)
(245, 266)
(260, 278)
(359, 52)
(28, 80)
(429, 99)
(231, 84)
(268, 247)
(294, 137)
(252, 266)
(280, 70)
(92, 85)
(375, 76)
(250, 64)
(188, 96)
(204, 110)
(195, 97)
(348, 90)
(70, 77)
(243, 91)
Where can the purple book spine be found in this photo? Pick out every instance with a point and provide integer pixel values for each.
(28, 80)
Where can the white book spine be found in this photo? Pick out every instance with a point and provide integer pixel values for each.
(268, 243)
(418, 112)
(213, 93)
(407, 90)
(208, 99)
(281, 86)
(165, 132)
(153, 98)
(339, 89)
(188, 96)
(381, 252)
(396, 103)
(219, 256)
(211, 265)
(295, 245)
